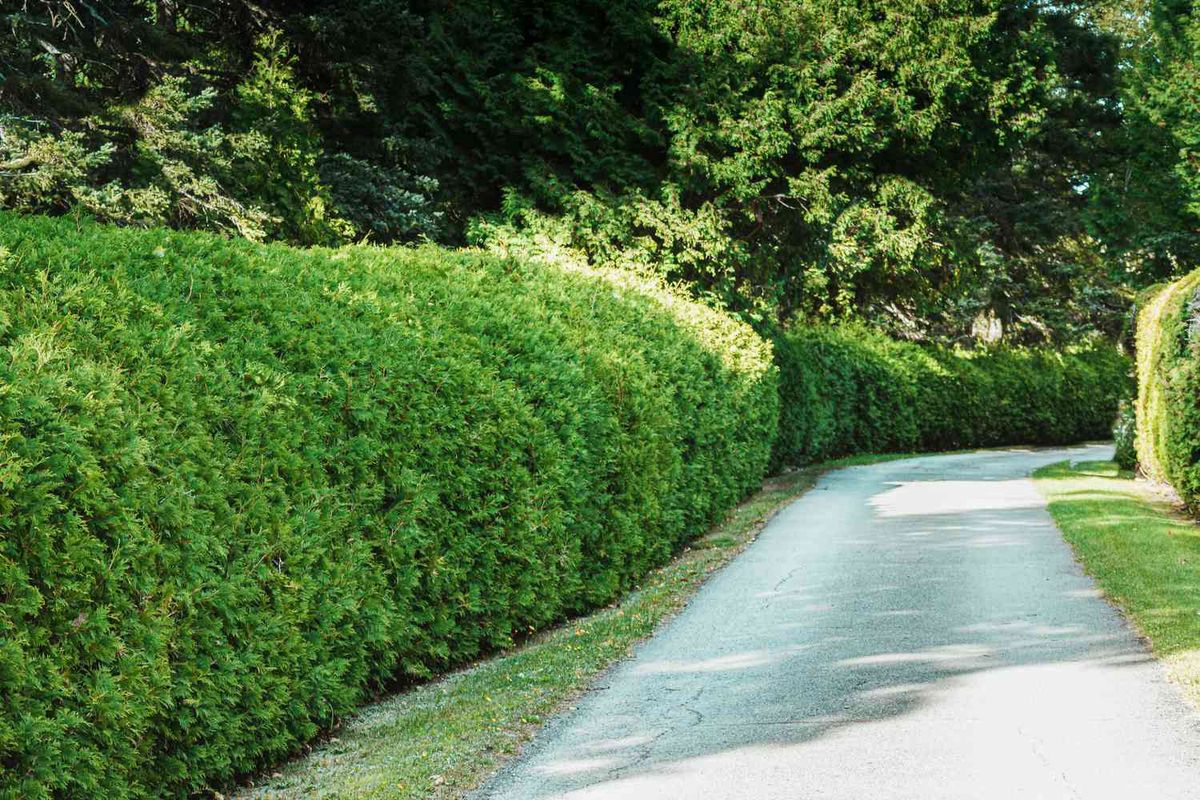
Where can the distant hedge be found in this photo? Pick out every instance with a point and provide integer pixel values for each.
(242, 485)
(1168, 404)
(849, 390)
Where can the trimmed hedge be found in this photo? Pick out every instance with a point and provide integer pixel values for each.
(1168, 403)
(240, 485)
(848, 390)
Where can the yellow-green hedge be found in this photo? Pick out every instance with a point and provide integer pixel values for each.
(1168, 370)
(242, 485)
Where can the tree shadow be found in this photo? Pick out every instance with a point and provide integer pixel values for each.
(840, 620)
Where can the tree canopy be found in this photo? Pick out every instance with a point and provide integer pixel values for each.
(938, 169)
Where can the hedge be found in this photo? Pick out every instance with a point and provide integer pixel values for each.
(242, 486)
(1168, 403)
(849, 390)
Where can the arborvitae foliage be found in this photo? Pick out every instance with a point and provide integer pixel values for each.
(241, 485)
(1168, 371)
(849, 390)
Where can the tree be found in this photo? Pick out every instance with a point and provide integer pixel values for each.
(921, 166)
(1144, 190)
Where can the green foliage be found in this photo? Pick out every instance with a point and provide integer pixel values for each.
(1124, 436)
(241, 485)
(382, 203)
(849, 390)
(1145, 191)
(915, 166)
(1168, 404)
(175, 166)
(911, 166)
(1172, 83)
(649, 236)
(279, 148)
(162, 114)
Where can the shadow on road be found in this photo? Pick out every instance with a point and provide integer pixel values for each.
(952, 600)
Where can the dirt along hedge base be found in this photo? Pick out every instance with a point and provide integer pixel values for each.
(241, 485)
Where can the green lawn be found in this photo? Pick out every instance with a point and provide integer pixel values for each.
(1143, 553)
(443, 738)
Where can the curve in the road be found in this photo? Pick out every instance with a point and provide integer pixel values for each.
(913, 629)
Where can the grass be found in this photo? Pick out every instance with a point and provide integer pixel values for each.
(441, 739)
(1144, 554)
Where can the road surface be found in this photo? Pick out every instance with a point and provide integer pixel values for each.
(914, 629)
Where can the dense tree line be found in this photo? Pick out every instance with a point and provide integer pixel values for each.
(936, 168)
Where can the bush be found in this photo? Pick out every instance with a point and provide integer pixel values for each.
(1168, 404)
(848, 390)
(1124, 436)
(243, 485)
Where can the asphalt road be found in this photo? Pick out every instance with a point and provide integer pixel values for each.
(913, 629)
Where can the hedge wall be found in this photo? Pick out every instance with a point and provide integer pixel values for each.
(241, 485)
(848, 390)
(1168, 404)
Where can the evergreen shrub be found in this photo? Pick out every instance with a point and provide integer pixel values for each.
(243, 486)
(1168, 370)
(849, 390)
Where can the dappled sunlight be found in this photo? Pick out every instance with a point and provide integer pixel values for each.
(893, 691)
(625, 742)
(578, 766)
(927, 498)
(1023, 627)
(845, 689)
(960, 655)
(945, 615)
(994, 540)
(718, 664)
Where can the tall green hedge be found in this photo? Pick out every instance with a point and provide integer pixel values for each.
(242, 485)
(1168, 404)
(849, 390)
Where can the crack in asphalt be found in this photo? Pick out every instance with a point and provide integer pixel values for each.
(1036, 746)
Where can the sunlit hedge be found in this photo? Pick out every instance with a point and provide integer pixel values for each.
(1168, 404)
(848, 390)
(242, 485)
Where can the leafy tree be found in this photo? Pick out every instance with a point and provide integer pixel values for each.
(927, 167)
(914, 165)
(1144, 190)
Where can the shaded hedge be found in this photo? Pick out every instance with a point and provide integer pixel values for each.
(240, 486)
(1168, 403)
(849, 390)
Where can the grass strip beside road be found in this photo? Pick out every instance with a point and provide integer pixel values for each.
(1141, 550)
(442, 739)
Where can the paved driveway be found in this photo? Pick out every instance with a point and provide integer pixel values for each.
(914, 629)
